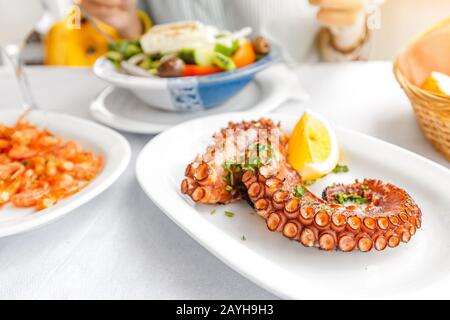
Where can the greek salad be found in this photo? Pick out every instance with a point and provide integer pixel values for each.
(187, 49)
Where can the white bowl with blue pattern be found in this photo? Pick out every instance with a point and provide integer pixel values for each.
(185, 94)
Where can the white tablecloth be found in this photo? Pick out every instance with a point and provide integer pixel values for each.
(120, 245)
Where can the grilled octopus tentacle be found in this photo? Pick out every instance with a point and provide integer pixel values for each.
(386, 217)
(389, 218)
(206, 178)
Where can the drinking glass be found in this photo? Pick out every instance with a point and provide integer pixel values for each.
(17, 19)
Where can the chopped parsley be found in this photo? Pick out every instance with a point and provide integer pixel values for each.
(345, 198)
(229, 214)
(263, 148)
(212, 211)
(232, 168)
(248, 166)
(255, 156)
(340, 169)
(243, 238)
(262, 155)
(364, 187)
(299, 191)
(229, 167)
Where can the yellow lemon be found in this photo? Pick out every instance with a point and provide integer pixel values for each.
(313, 149)
(437, 82)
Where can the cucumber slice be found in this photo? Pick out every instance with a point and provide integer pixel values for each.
(226, 50)
(187, 55)
(146, 63)
(131, 50)
(204, 56)
(114, 56)
(220, 48)
(223, 62)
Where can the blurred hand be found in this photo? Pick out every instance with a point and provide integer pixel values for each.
(338, 13)
(119, 14)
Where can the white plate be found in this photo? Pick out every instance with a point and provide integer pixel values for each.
(91, 136)
(419, 269)
(120, 109)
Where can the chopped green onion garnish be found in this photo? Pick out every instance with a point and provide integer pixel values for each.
(229, 214)
(248, 166)
(340, 169)
(299, 191)
(343, 198)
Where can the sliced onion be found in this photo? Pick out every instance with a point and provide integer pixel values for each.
(134, 70)
(136, 58)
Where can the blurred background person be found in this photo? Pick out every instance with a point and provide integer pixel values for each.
(334, 30)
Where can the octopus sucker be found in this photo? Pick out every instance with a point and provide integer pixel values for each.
(346, 241)
(278, 201)
(321, 220)
(383, 223)
(276, 221)
(263, 207)
(292, 229)
(198, 194)
(306, 215)
(364, 215)
(262, 204)
(189, 171)
(404, 235)
(201, 172)
(273, 221)
(364, 242)
(354, 224)
(328, 240)
(393, 239)
(380, 242)
(369, 225)
(291, 208)
(188, 186)
(394, 221)
(255, 191)
(338, 222)
(418, 222)
(309, 236)
(248, 178)
(412, 230)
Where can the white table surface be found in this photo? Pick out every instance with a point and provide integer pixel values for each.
(120, 245)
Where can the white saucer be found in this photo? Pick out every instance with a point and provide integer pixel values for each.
(120, 109)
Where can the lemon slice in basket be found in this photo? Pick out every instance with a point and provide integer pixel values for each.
(437, 82)
(313, 149)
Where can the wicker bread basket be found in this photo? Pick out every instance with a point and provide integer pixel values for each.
(432, 109)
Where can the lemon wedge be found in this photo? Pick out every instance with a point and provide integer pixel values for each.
(437, 82)
(313, 149)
